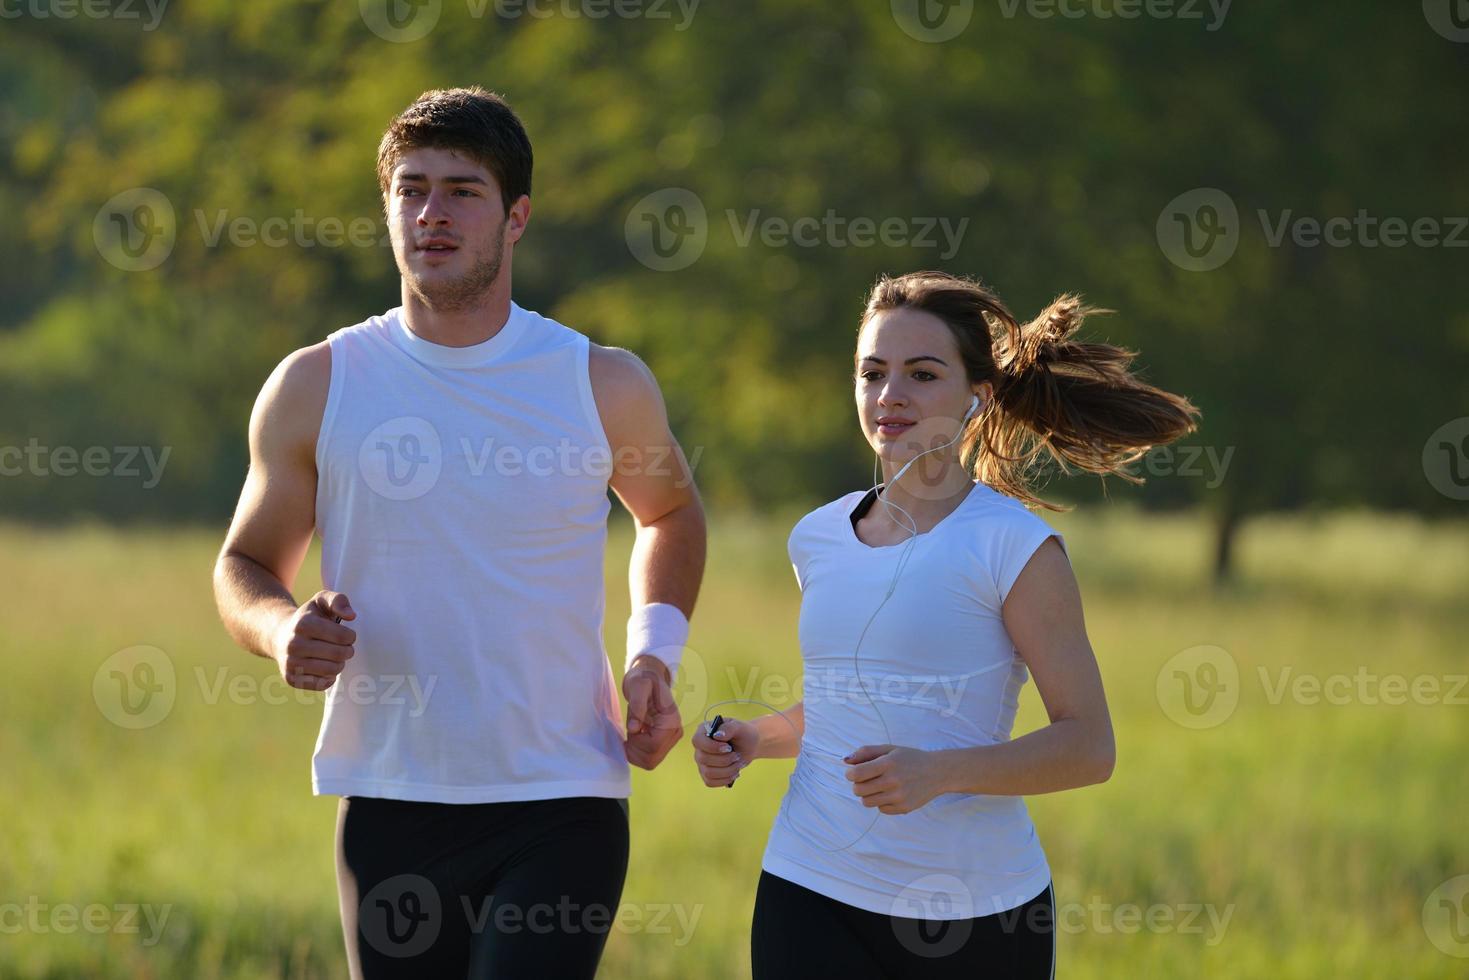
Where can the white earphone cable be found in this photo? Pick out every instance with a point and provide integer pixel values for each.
(912, 528)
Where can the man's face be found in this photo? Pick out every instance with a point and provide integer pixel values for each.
(449, 227)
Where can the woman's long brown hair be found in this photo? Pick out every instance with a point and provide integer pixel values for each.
(1078, 403)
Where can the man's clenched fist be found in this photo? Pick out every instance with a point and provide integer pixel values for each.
(653, 723)
(310, 646)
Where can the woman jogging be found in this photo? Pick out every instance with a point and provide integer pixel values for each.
(903, 847)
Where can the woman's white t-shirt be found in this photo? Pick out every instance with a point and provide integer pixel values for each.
(935, 670)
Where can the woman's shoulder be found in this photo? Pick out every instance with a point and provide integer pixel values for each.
(1003, 534)
(991, 507)
(819, 533)
(998, 520)
(845, 502)
(828, 515)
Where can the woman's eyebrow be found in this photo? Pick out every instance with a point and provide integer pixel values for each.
(912, 360)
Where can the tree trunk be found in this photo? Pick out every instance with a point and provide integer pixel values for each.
(1226, 526)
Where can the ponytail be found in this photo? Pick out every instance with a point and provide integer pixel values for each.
(1055, 397)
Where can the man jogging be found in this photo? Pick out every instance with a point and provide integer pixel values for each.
(454, 455)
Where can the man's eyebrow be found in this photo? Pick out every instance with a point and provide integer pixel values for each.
(912, 360)
(456, 179)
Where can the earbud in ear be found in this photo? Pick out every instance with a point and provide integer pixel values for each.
(973, 407)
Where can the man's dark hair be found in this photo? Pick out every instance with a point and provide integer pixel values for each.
(476, 123)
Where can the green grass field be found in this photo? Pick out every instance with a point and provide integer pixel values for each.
(1291, 840)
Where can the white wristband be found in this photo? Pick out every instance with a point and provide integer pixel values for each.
(659, 629)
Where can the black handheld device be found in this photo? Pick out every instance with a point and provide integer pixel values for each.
(714, 727)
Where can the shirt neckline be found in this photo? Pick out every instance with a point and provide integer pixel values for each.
(475, 355)
(851, 525)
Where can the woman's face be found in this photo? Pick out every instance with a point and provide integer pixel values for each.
(911, 387)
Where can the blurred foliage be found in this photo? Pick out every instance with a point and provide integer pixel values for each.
(1060, 141)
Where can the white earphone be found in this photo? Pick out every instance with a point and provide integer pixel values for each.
(973, 407)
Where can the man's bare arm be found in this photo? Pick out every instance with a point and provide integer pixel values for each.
(271, 531)
(653, 480)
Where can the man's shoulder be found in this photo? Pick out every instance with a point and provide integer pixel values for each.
(293, 399)
(302, 374)
(306, 373)
(619, 374)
